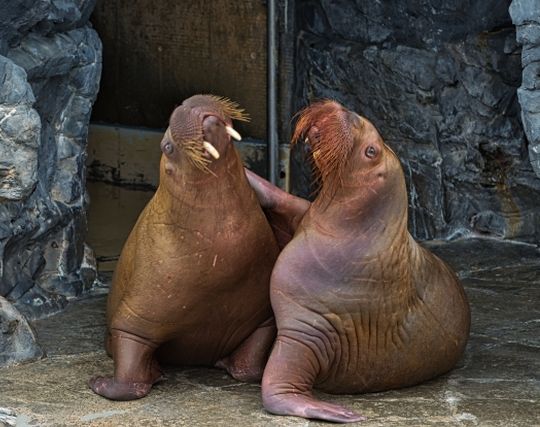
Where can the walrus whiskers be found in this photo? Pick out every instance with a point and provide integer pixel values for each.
(332, 142)
(230, 108)
(195, 153)
(190, 136)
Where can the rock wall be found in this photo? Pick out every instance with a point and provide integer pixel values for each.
(526, 16)
(18, 339)
(439, 80)
(50, 66)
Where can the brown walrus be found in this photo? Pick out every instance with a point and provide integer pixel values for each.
(192, 283)
(359, 305)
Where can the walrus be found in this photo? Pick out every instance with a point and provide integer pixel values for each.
(359, 305)
(191, 286)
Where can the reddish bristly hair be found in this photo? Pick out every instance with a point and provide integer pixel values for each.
(331, 145)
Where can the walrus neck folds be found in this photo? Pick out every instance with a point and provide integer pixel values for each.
(365, 202)
(189, 186)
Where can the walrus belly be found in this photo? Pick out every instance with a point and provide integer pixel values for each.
(189, 297)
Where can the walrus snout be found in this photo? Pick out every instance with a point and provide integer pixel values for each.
(202, 128)
(329, 129)
(217, 136)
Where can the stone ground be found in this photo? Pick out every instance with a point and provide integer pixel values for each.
(496, 384)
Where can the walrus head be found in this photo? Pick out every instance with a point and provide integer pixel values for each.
(200, 131)
(346, 149)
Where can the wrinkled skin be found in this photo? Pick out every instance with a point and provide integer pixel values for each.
(192, 283)
(359, 305)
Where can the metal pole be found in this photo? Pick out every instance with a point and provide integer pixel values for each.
(272, 124)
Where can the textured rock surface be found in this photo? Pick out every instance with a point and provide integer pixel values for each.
(526, 16)
(17, 338)
(50, 65)
(20, 128)
(497, 383)
(439, 80)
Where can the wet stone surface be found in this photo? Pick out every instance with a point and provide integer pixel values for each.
(497, 383)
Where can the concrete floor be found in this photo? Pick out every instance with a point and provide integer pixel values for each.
(496, 384)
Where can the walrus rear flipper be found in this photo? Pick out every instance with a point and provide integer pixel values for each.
(288, 382)
(247, 362)
(136, 369)
(283, 210)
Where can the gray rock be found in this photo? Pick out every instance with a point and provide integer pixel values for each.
(525, 11)
(530, 77)
(526, 16)
(20, 128)
(51, 222)
(7, 417)
(528, 34)
(414, 22)
(441, 88)
(17, 338)
(15, 88)
(50, 73)
(20, 17)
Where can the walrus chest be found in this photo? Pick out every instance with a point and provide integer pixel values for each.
(214, 251)
(342, 273)
(174, 278)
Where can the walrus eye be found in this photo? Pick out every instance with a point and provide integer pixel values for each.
(168, 148)
(371, 152)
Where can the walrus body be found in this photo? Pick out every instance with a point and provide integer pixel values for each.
(191, 284)
(359, 305)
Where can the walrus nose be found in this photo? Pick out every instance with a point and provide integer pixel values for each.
(211, 124)
(216, 135)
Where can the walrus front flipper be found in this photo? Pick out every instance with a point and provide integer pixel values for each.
(283, 210)
(135, 369)
(288, 381)
(247, 362)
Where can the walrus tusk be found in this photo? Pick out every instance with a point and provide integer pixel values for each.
(211, 149)
(233, 133)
